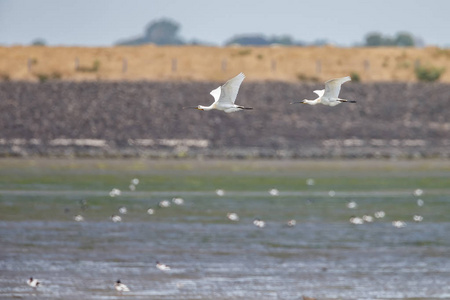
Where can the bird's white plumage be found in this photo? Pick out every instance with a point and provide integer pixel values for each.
(162, 267)
(333, 87)
(230, 89)
(120, 287)
(34, 283)
(330, 95)
(319, 92)
(225, 96)
(216, 93)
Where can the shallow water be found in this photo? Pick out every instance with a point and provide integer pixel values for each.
(323, 256)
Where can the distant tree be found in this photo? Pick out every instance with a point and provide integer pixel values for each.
(163, 32)
(320, 42)
(261, 40)
(39, 42)
(249, 40)
(374, 39)
(402, 39)
(160, 32)
(282, 40)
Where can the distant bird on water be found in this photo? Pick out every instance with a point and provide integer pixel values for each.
(162, 267)
(120, 287)
(225, 96)
(34, 283)
(233, 216)
(116, 218)
(330, 95)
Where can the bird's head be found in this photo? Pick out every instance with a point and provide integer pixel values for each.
(199, 107)
(301, 101)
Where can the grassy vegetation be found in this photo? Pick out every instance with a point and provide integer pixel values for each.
(303, 77)
(36, 189)
(103, 175)
(355, 77)
(428, 73)
(42, 77)
(92, 69)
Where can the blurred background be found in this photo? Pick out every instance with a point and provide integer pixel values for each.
(102, 172)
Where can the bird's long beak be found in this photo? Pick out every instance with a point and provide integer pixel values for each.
(297, 102)
(194, 107)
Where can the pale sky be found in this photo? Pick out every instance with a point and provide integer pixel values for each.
(104, 22)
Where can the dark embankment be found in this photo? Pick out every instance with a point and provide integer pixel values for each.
(147, 119)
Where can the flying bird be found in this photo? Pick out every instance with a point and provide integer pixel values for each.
(330, 95)
(225, 96)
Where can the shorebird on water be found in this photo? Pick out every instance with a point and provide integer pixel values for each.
(259, 223)
(34, 283)
(162, 267)
(233, 216)
(116, 218)
(291, 223)
(120, 287)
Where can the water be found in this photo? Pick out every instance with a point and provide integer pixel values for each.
(323, 256)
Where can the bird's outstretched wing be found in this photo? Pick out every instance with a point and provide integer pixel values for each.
(319, 92)
(216, 93)
(229, 90)
(333, 86)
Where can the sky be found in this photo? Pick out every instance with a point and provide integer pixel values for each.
(104, 22)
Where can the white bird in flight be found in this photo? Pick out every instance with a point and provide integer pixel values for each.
(330, 95)
(225, 96)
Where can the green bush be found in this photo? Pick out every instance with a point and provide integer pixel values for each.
(244, 52)
(94, 68)
(42, 77)
(303, 77)
(55, 75)
(429, 73)
(355, 77)
(5, 77)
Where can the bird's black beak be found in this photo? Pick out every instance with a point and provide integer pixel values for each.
(194, 107)
(297, 102)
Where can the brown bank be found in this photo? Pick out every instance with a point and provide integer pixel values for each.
(200, 63)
